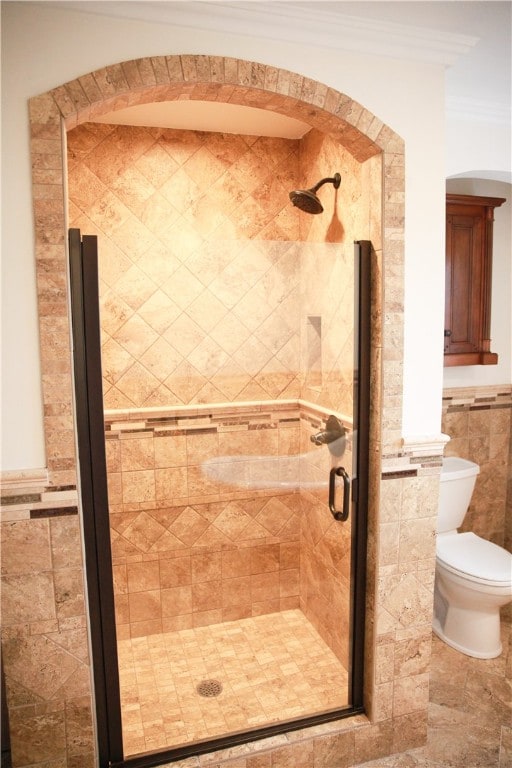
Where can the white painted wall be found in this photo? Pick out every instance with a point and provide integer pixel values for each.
(479, 147)
(43, 47)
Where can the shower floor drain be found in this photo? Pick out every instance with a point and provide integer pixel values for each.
(209, 688)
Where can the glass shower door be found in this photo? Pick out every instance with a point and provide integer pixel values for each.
(235, 584)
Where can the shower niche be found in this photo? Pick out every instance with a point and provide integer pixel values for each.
(227, 327)
(314, 351)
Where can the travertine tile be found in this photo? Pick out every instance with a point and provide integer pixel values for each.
(26, 547)
(36, 739)
(110, 88)
(478, 421)
(28, 597)
(263, 680)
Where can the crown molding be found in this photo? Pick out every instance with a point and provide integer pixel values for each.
(478, 110)
(292, 22)
(425, 445)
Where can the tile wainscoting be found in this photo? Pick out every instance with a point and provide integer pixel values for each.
(52, 721)
(478, 421)
(45, 647)
(210, 522)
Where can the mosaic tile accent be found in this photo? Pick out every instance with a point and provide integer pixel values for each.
(53, 502)
(272, 668)
(55, 512)
(210, 453)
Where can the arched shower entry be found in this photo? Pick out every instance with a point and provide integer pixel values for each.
(209, 528)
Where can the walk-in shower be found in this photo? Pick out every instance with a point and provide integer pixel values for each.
(230, 428)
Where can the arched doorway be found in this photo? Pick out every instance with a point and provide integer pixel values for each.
(328, 112)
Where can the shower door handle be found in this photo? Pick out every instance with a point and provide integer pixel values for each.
(340, 515)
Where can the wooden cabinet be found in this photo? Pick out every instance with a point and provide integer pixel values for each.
(469, 224)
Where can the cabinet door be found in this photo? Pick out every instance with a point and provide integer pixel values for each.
(469, 224)
(464, 284)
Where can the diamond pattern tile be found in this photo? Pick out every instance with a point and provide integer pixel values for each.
(115, 360)
(197, 251)
(135, 287)
(136, 385)
(158, 263)
(183, 287)
(136, 336)
(274, 516)
(230, 334)
(189, 526)
(114, 313)
(143, 532)
(207, 310)
(133, 184)
(160, 359)
(184, 335)
(208, 357)
(232, 521)
(159, 311)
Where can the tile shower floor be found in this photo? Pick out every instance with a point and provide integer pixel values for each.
(272, 668)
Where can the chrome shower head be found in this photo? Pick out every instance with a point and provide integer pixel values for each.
(307, 200)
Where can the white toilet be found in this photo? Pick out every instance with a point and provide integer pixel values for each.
(473, 576)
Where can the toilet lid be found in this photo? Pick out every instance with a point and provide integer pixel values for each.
(477, 558)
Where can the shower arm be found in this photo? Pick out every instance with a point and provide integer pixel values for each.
(334, 180)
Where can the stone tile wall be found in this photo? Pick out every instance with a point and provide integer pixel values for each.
(398, 661)
(44, 629)
(205, 290)
(396, 613)
(325, 562)
(232, 548)
(198, 262)
(216, 550)
(478, 422)
(188, 317)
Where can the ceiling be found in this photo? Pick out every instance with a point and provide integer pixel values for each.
(471, 39)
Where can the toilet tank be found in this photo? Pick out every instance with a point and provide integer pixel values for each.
(458, 478)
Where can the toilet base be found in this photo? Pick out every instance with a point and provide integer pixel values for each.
(487, 654)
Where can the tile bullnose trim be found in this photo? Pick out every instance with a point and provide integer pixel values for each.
(197, 417)
(16, 482)
(425, 445)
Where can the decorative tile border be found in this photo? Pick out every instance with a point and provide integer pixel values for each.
(37, 514)
(419, 456)
(214, 418)
(56, 502)
(477, 398)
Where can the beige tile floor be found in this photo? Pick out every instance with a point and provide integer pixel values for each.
(272, 668)
(470, 712)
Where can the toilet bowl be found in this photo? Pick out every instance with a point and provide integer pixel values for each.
(473, 575)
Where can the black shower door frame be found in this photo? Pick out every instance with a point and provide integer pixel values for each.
(92, 471)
